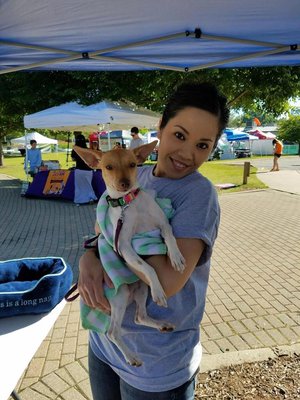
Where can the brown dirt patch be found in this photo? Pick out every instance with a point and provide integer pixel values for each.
(277, 378)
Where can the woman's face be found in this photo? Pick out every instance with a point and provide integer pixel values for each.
(186, 142)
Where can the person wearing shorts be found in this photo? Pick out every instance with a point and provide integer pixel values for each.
(278, 147)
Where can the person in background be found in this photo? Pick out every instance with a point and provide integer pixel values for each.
(94, 141)
(94, 145)
(136, 140)
(191, 125)
(83, 175)
(278, 148)
(33, 157)
(117, 145)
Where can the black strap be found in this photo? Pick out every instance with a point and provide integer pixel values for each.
(117, 234)
(69, 292)
(87, 245)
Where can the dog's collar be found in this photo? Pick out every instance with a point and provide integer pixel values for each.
(122, 201)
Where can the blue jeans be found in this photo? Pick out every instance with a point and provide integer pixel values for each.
(107, 385)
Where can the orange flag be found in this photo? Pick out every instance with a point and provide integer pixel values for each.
(257, 121)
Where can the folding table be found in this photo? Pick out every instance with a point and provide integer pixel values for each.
(20, 337)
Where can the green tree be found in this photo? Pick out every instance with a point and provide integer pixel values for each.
(289, 130)
(263, 90)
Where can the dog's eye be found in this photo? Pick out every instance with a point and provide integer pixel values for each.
(109, 167)
(132, 165)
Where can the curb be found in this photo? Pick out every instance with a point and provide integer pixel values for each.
(217, 361)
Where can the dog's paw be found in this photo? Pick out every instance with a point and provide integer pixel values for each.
(159, 297)
(177, 260)
(166, 327)
(134, 362)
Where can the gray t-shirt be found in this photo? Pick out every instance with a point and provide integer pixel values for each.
(170, 359)
(136, 143)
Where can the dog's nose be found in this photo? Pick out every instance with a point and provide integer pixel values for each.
(125, 183)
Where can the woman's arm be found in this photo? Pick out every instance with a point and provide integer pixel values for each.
(171, 280)
(92, 278)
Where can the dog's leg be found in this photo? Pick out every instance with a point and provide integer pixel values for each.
(119, 304)
(138, 265)
(160, 220)
(141, 317)
(176, 258)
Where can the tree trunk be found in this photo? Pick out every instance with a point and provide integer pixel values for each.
(1, 154)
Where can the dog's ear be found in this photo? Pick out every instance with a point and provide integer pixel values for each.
(142, 152)
(92, 158)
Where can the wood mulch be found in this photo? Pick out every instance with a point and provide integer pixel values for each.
(277, 378)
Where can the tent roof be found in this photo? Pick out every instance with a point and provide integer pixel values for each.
(141, 34)
(233, 135)
(262, 135)
(106, 114)
(40, 139)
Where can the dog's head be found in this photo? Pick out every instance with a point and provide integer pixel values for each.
(118, 166)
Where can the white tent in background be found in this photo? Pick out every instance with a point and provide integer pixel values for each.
(105, 115)
(40, 139)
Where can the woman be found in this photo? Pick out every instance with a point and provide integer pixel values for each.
(83, 175)
(191, 125)
(277, 151)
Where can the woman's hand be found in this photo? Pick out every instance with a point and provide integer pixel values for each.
(91, 280)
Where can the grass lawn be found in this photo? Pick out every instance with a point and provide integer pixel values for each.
(14, 165)
(216, 171)
(223, 172)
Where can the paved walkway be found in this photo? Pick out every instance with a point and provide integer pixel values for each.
(253, 299)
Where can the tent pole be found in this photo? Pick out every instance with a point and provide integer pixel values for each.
(108, 135)
(68, 147)
(26, 157)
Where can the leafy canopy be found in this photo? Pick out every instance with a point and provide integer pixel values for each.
(253, 90)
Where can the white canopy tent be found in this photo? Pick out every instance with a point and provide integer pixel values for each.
(40, 139)
(105, 115)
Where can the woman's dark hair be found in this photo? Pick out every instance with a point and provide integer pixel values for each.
(199, 95)
(80, 141)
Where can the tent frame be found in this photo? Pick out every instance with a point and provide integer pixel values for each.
(271, 48)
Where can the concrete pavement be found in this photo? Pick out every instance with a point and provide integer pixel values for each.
(253, 299)
(283, 180)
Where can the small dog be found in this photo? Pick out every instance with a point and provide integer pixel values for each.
(139, 213)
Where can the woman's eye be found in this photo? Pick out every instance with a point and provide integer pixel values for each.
(202, 146)
(179, 135)
(132, 165)
(109, 167)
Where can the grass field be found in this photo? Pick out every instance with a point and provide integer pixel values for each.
(217, 171)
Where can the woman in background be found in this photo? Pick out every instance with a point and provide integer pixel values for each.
(278, 148)
(83, 175)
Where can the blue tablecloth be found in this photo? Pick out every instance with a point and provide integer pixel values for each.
(36, 188)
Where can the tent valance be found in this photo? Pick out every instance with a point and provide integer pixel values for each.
(143, 35)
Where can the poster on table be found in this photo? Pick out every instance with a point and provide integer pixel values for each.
(56, 182)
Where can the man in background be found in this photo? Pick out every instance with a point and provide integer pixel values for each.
(136, 140)
(33, 157)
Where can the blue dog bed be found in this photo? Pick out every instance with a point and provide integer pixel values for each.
(33, 285)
